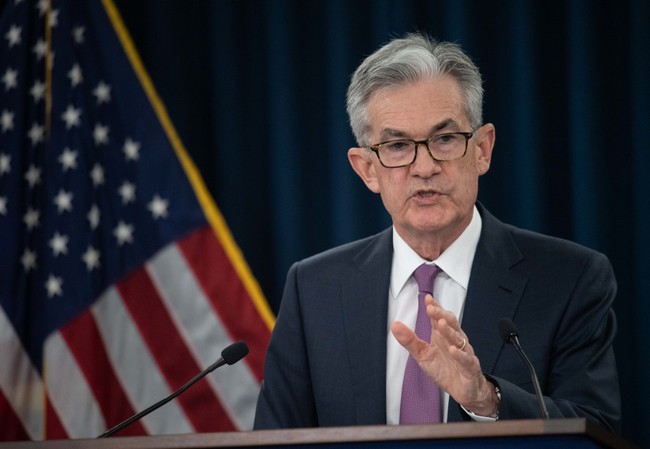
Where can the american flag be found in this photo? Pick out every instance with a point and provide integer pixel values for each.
(119, 279)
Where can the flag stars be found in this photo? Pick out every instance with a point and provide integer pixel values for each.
(7, 120)
(75, 75)
(59, 244)
(68, 159)
(3, 205)
(71, 117)
(36, 133)
(13, 35)
(93, 216)
(42, 6)
(131, 150)
(54, 18)
(40, 49)
(158, 207)
(78, 34)
(127, 192)
(33, 176)
(37, 91)
(102, 92)
(91, 258)
(63, 201)
(97, 175)
(31, 218)
(5, 163)
(28, 260)
(54, 286)
(123, 233)
(100, 134)
(10, 78)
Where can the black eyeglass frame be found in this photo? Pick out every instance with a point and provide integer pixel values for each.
(425, 142)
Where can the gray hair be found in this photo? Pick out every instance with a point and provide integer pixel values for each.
(407, 60)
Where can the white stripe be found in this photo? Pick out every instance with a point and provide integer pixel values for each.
(19, 381)
(205, 333)
(135, 367)
(70, 394)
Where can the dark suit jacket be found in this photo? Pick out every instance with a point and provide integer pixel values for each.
(326, 362)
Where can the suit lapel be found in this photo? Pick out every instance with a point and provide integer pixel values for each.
(494, 292)
(364, 297)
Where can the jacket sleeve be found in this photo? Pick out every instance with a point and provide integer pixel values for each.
(286, 399)
(580, 378)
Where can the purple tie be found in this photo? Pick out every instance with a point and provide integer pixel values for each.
(420, 395)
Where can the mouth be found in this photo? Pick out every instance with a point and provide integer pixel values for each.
(426, 195)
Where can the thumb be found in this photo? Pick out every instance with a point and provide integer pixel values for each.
(406, 337)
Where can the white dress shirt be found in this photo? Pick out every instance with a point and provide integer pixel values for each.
(450, 290)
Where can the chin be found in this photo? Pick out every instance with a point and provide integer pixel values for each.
(429, 226)
(434, 219)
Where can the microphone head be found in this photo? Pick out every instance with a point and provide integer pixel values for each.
(235, 352)
(507, 330)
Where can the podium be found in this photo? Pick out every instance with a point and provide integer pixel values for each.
(555, 433)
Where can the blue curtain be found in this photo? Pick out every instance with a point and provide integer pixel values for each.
(257, 89)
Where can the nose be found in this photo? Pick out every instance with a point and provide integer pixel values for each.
(424, 164)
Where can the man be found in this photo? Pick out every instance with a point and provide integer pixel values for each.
(350, 337)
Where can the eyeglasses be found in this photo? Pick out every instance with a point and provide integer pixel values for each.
(441, 147)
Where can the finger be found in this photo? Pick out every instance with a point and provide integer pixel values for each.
(437, 313)
(406, 337)
(448, 323)
(455, 339)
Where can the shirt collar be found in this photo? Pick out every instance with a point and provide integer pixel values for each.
(455, 261)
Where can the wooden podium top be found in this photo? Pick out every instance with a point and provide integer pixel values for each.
(351, 436)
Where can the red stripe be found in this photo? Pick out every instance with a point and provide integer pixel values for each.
(225, 290)
(85, 343)
(200, 403)
(54, 429)
(11, 428)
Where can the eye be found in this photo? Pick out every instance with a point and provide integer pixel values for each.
(446, 139)
(397, 146)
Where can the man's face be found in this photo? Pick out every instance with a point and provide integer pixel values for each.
(428, 198)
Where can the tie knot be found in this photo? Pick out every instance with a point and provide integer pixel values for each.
(424, 276)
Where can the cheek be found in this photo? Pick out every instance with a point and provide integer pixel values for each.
(392, 193)
(468, 187)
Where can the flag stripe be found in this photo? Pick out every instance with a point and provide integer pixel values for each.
(236, 385)
(171, 353)
(227, 295)
(135, 367)
(53, 426)
(68, 388)
(12, 427)
(85, 344)
(21, 385)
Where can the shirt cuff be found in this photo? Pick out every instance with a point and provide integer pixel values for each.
(479, 418)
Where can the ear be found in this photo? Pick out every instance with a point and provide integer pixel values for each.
(485, 138)
(361, 162)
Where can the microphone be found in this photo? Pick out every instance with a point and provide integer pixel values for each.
(229, 356)
(509, 333)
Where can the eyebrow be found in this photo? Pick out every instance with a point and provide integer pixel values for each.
(449, 123)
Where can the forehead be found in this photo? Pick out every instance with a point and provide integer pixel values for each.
(417, 109)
